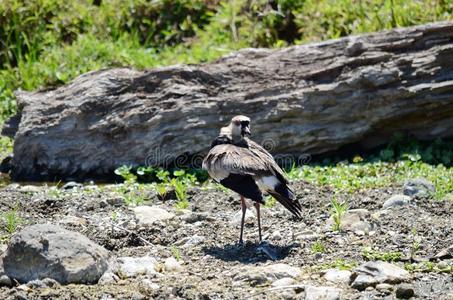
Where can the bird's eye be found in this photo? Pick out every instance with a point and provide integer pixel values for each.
(237, 123)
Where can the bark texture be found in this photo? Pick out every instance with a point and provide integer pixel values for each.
(311, 99)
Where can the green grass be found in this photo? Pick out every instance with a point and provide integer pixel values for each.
(49, 42)
(337, 212)
(340, 263)
(318, 247)
(388, 256)
(352, 177)
(10, 221)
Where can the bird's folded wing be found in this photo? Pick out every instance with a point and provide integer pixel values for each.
(236, 160)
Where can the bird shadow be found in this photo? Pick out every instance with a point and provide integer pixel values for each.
(249, 252)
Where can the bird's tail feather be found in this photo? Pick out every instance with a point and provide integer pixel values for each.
(292, 205)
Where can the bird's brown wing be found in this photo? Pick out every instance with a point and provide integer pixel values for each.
(228, 158)
(268, 159)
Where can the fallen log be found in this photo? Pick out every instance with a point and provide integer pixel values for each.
(306, 99)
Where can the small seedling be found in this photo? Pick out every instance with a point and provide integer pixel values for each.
(175, 252)
(126, 173)
(318, 247)
(337, 212)
(340, 264)
(11, 221)
(133, 198)
(161, 190)
(181, 193)
(163, 175)
(415, 245)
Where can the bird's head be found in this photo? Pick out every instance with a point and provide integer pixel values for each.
(240, 126)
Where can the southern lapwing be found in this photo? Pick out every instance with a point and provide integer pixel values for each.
(240, 164)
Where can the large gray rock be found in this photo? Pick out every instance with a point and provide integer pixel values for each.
(419, 187)
(304, 99)
(373, 272)
(48, 251)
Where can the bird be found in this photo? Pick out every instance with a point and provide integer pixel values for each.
(242, 165)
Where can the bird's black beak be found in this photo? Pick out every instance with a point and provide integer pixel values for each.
(246, 130)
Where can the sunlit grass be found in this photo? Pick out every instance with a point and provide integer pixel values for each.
(351, 177)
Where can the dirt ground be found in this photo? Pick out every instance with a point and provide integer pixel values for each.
(213, 259)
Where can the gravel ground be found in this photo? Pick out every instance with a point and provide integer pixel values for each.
(204, 239)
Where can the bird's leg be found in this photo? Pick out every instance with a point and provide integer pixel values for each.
(257, 206)
(244, 209)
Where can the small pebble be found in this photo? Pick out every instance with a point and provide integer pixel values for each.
(405, 291)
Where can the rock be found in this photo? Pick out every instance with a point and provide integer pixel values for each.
(384, 287)
(190, 241)
(30, 189)
(149, 286)
(266, 274)
(147, 215)
(108, 118)
(337, 276)
(134, 266)
(5, 281)
(72, 185)
(72, 221)
(404, 291)
(46, 282)
(322, 293)
(193, 217)
(172, 265)
(374, 272)
(418, 187)
(397, 200)
(285, 281)
(354, 220)
(49, 251)
(276, 236)
(445, 253)
(237, 217)
(108, 278)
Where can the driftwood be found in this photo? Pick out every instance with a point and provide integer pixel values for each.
(310, 99)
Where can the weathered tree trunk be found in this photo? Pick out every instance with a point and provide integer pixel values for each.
(303, 99)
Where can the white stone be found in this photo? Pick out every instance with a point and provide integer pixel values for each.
(134, 266)
(397, 200)
(337, 276)
(283, 282)
(172, 265)
(322, 293)
(147, 215)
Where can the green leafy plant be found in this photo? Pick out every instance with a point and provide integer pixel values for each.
(11, 220)
(126, 173)
(133, 198)
(337, 212)
(181, 193)
(175, 252)
(370, 254)
(318, 247)
(340, 263)
(415, 244)
(161, 189)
